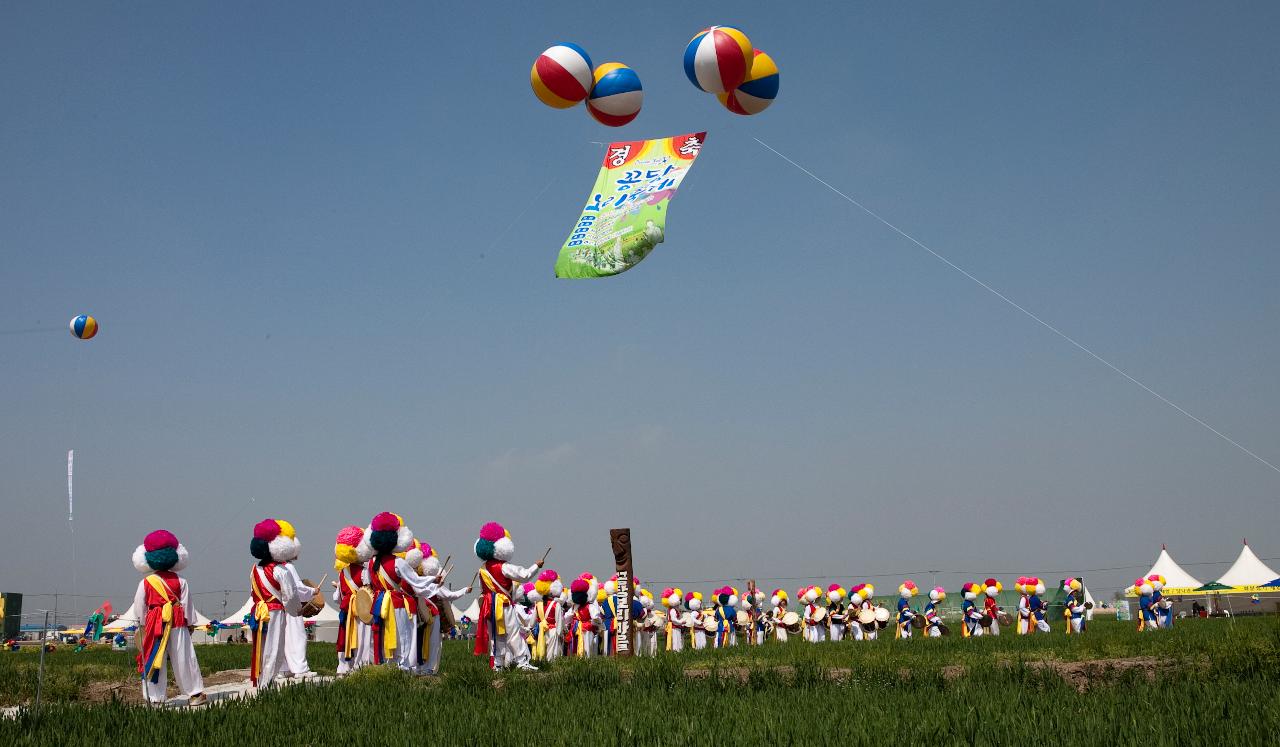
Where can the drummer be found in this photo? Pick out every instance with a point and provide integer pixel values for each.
(971, 613)
(865, 611)
(350, 560)
(814, 616)
(696, 619)
(779, 602)
(992, 588)
(906, 614)
(671, 599)
(1024, 587)
(837, 612)
(933, 620)
(1039, 610)
(1074, 606)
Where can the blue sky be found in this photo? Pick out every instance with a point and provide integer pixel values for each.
(319, 239)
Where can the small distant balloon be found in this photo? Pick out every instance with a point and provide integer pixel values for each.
(84, 327)
(718, 59)
(757, 91)
(616, 95)
(561, 76)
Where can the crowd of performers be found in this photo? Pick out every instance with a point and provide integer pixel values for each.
(393, 604)
(1155, 612)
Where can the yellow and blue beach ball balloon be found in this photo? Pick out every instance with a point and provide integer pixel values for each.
(561, 76)
(718, 59)
(84, 327)
(757, 91)
(616, 96)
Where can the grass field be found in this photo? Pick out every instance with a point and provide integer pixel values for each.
(1204, 680)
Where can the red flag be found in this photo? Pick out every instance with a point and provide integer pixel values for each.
(106, 609)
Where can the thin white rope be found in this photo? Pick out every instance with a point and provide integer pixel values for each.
(1015, 305)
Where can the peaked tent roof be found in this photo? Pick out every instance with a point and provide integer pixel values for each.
(127, 620)
(1177, 581)
(1174, 576)
(1248, 570)
(236, 617)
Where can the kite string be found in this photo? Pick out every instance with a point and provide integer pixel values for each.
(1020, 308)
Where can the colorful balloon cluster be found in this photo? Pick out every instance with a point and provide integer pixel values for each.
(722, 61)
(563, 76)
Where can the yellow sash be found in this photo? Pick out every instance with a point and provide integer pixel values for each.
(350, 642)
(388, 614)
(540, 645)
(264, 592)
(166, 615)
(499, 600)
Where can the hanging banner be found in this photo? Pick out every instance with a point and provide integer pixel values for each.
(626, 213)
(620, 540)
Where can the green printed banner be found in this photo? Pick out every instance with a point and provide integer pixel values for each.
(626, 215)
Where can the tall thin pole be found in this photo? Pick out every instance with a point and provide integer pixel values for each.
(44, 644)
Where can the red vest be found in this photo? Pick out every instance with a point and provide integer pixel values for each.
(261, 592)
(402, 596)
(352, 579)
(494, 567)
(550, 608)
(155, 601)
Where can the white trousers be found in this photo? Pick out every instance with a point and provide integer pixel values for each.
(935, 631)
(431, 639)
(273, 644)
(675, 639)
(180, 656)
(362, 656)
(780, 632)
(856, 630)
(995, 627)
(295, 645)
(1077, 623)
(837, 631)
(699, 638)
(1042, 625)
(509, 649)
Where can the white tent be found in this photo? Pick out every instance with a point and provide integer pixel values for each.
(122, 623)
(472, 612)
(1248, 572)
(1177, 581)
(234, 618)
(1088, 598)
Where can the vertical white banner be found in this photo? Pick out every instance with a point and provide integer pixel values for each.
(71, 460)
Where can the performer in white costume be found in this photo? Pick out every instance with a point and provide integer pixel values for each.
(676, 621)
(398, 590)
(549, 636)
(992, 589)
(277, 596)
(836, 611)
(163, 605)
(932, 618)
(779, 602)
(354, 650)
(693, 605)
(430, 664)
(498, 635)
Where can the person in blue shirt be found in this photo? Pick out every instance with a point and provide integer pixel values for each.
(906, 613)
(1039, 609)
(932, 618)
(1074, 605)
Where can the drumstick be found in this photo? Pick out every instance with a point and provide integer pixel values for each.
(545, 554)
(321, 584)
